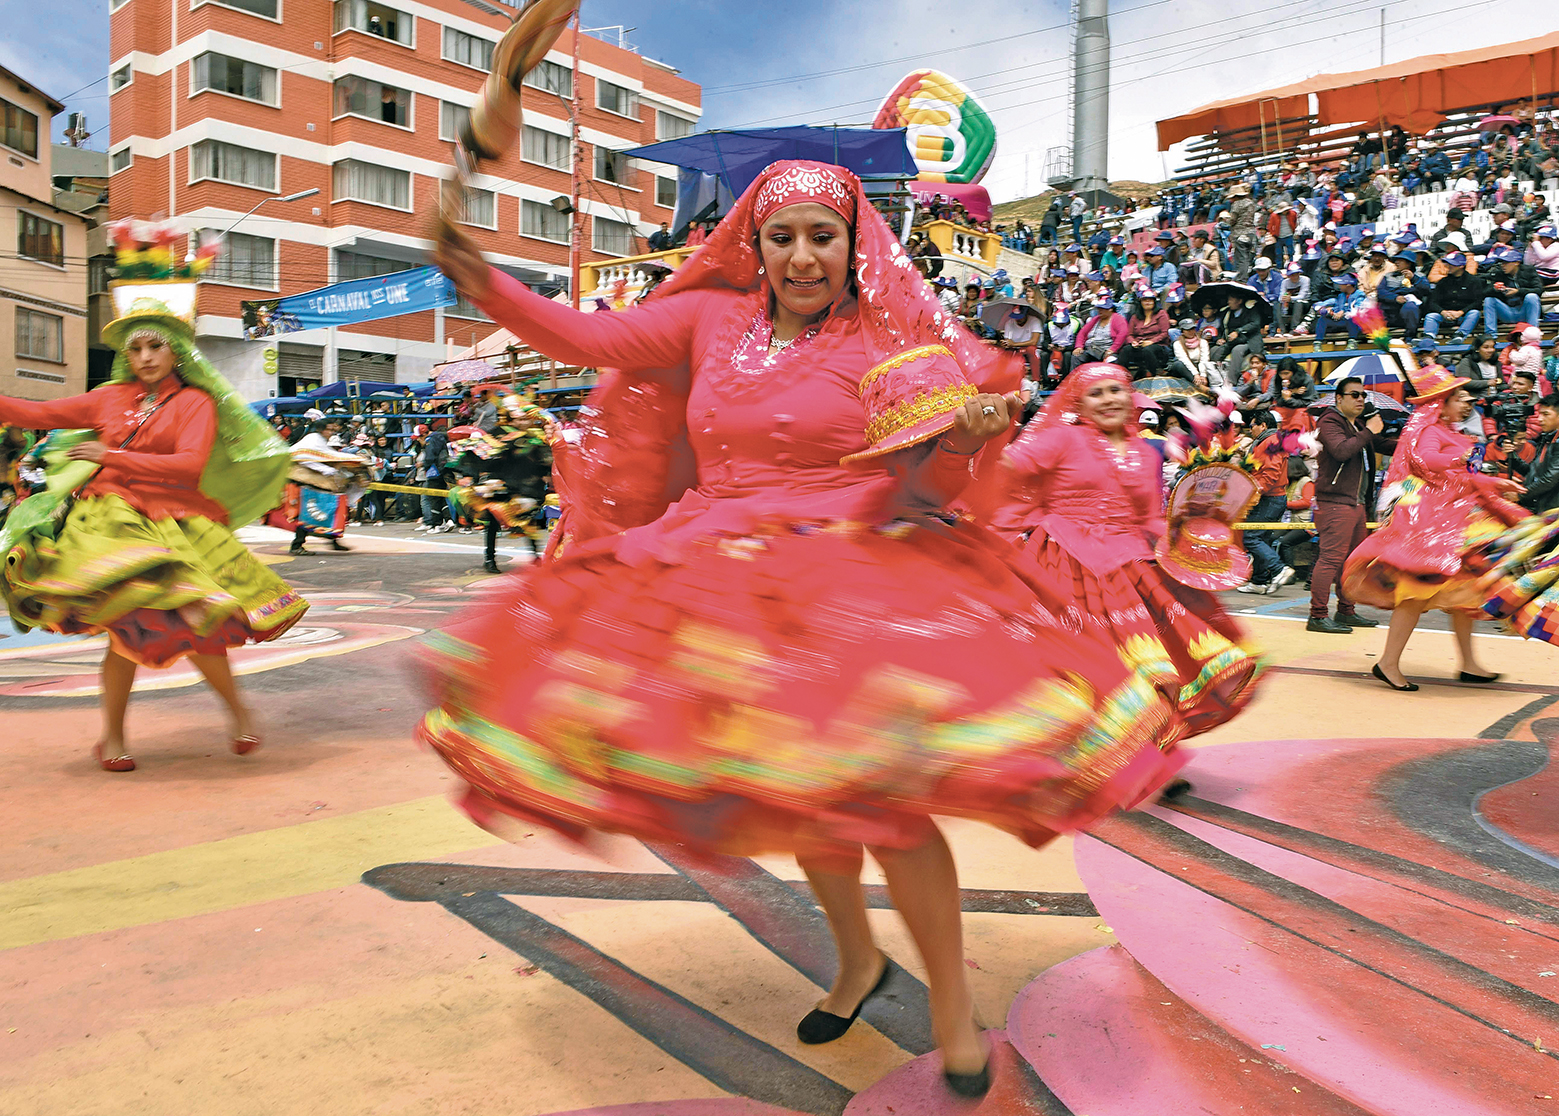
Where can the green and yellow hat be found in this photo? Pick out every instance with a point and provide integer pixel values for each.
(166, 303)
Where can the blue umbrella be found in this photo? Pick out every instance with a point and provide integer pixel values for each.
(1372, 368)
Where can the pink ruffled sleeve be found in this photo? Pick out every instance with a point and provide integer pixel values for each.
(657, 335)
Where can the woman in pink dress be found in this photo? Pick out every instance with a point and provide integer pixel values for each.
(1442, 510)
(759, 631)
(1086, 502)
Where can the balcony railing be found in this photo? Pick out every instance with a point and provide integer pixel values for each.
(956, 240)
(624, 278)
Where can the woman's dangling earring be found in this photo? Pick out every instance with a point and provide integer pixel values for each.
(760, 269)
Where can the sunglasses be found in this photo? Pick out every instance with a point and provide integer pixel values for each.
(1354, 394)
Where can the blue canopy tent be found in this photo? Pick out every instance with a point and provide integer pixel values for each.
(733, 159)
(342, 389)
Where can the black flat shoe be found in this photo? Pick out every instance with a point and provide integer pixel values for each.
(1354, 620)
(970, 1084)
(819, 1026)
(1378, 673)
(1175, 788)
(1481, 679)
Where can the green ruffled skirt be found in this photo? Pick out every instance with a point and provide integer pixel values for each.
(160, 588)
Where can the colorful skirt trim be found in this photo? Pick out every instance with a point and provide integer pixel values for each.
(1177, 637)
(1422, 554)
(1522, 582)
(813, 685)
(159, 588)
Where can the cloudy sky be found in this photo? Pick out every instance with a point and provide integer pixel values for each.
(827, 61)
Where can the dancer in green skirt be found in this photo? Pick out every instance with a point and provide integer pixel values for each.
(133, 535)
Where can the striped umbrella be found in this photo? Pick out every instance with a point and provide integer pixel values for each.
(1372, 368)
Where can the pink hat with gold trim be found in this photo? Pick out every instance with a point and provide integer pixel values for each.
(1434, 383)
(909, 398)
(1205, 554)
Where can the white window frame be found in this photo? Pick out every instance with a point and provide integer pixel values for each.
(612, 182)
(659, 178)
(568, 144)
(568, 219)
(692, 125)
(459, 311)
(277, 18)
(411, 186)
(128, 69)
(411, 105)
(492, 194)
(412, 45)
(129, 162)
(638, 100)
(64, 253)
(573, 77)
(275, 163)
(633, 235)
(454, 136)
(443, 48)
(194, 92)
(208, 277)
(59, 323)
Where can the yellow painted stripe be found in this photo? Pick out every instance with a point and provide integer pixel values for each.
(234, 872)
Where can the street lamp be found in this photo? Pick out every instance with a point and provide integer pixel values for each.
(301, 194)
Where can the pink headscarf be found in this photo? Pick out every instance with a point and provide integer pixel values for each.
(1064, 407)
(898, 310)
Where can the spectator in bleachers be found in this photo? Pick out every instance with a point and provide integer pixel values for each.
(1020, 334)
(1242, 228)
(1102, 336)
(1076, 210)
(1336, 312)
(1454, 219)
(1293, 300)
(1158, 274)
(1202, 263)
(947, 294)
(1457, 298)
(1540, 475)
(1365, 153)
(1403, 294)
(1465, 192)
(1481, 364)
(1266, 279)
(1543, 254)
(1146, 352)
(1376, 266)
(1114, 254)
(1282, 225)
(1239, 334)
(1514, 291)
(1193, 354)
(1050, 222)
(1059, 338)
(1267, 460)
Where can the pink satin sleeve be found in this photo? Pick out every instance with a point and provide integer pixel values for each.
(1439, 449)
(658, 334)
(1034, 454)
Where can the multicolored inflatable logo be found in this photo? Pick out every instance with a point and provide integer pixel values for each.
(950, 137)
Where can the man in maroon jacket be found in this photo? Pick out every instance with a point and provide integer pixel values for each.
(1344, 494)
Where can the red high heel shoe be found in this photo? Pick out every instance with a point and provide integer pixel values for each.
(120, 762)
(243, 745)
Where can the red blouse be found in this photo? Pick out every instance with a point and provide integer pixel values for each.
(158, 474)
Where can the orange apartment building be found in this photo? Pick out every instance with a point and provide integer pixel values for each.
(217, 105)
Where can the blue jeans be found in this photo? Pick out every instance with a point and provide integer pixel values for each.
(1407, 314)
(1496, 313)
(1324, 325)
(1464, 327)
(1283, 250)
(1265, 563)
(1077, 230)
